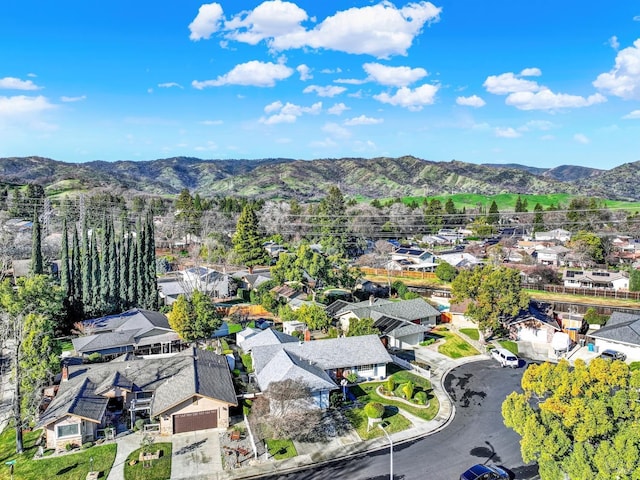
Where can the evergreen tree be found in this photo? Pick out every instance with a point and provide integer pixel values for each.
(141, 267)
(123, 257)
(85, 266)
(519, 208)
(150, 251)
(333, 223)
(112, 261)
(538, 218)
(494, 215)
(96, 303)
(132, 253)
(247, 241)
(76, 269)
(65, 274)
(37, 267)
(105, 293)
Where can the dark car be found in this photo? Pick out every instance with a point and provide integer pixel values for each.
(613, 355)
(484, 472)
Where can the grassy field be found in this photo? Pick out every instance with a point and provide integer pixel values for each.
(472, 333)
(159, 469)
(72, 466)
(509, 345)
(281, 449)
(454, 346)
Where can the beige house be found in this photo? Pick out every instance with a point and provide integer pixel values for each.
(191, 390)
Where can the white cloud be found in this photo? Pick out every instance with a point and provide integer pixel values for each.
(633, 115)
(337, 109)
(270, 19)
(211, 122)
(73, 99)
(23, 105)
(581, 138)
(362, 120)
(170, 85)
(507, 132)
(336, 131)
(412, 99)
(328, 91)
(253, 73)
(545, 99)
(329, 71)
(32, 75)
(393, 76)
(288, 112)
(207, 21)
(380, 30)
(351, 81)
(305, 72)
(12, 83)
(472, 101)
(614, 43)
(624, 79)
(509, 83)
(531, 72)
(536, 125)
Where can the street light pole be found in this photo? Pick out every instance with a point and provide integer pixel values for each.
(390, 450)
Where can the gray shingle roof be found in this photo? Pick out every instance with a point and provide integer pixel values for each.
(173, 379)
(284, 365)
(621, 327)
(266, 337)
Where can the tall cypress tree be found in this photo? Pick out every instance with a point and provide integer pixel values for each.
(95, 277)
(123, 270)
(76, 270)
(141, 267)
(112, 260)
(133, 268)
(152, 281)
(86, 269)
(37, 267)
(105, 294)
(65, 275)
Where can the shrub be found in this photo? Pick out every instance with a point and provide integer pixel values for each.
(224, 344)
(247, 361)
(335, 399)
(390, 384)
(69, 446)
(407, 389)
(86, 445)
(94, 357)
(352, 377)
(246, 407)
(374, 410)
(333, 332)
(420, 397)
(427, 342)
(139, 425)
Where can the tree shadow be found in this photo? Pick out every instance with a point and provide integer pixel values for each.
(191, 447)
(65, 470)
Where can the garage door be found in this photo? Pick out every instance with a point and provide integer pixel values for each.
(190, 422)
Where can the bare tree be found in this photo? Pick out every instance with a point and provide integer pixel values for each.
(285, 410)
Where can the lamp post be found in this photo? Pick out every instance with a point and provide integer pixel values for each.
(390, 450)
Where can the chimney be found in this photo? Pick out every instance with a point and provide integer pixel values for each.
(370, 299)
(65, 373)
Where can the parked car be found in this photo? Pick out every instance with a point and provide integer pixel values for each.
(484, 472)
(613, 355)
(505, 357)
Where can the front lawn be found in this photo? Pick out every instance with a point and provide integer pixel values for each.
(281, 449)
(160, 469)
(394, 422)
(72, 466)
(509, 345)
(472, 333)
(455, 346)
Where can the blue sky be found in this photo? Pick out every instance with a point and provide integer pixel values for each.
(541, 83)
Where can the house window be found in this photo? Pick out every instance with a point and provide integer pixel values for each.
(72, 430)
(363, 368)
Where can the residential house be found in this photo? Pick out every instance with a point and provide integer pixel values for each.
(460, 260)
(621, 333)
(535, 324)
(595, 279)
(250, 281)
(412, 258)
(274, 249)
(293, 326)
(137, 331)
(191, 390)
(558, 234)
(320, 364)
(209, 281)
(554, 255)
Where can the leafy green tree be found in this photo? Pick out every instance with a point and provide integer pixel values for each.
(588, 246)
(361, 326)
(314, 316)
(374, 410)
(434, 215)
(408, 389)
(37, 265)
(634, 280)
(333, 223)
(195, 318)
(494, 215)
(247, 241)
(495, 293)
(592, 317)
(482, 228)
(446, 272)
(85, 265)
(538, 218)
(579, 422)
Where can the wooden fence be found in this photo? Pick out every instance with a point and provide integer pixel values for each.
(383, 272)
(588, 292)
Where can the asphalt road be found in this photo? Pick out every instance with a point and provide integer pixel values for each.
(476, 435)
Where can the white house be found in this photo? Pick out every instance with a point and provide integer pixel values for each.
(621, 333)
(595, 279)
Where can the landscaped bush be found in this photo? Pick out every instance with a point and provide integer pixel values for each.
(86, 445)
(246, 407)
(94, 357)
(333, 332)
(374, 410)
(427, 342)
(139, 425)
(420, 397)
(335, 400)
(247, 361)
(390, 384)
(407, 389)
(352, 377)
(634, 366)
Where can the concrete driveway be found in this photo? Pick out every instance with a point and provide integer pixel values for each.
(195, 454)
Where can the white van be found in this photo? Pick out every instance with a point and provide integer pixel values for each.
(505, 357)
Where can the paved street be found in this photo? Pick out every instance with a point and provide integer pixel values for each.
(476, 435)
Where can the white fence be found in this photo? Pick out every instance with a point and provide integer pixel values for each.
(410, 366)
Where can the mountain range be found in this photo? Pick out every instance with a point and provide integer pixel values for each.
(281, 178)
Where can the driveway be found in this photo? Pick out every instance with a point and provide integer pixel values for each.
(196, 453)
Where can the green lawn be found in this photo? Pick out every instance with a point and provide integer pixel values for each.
(393, 419)
(366, 392)
(159, 470)
(472, 333)
(509, 345)
(73, 466)
(281, 449)
(454, 346)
